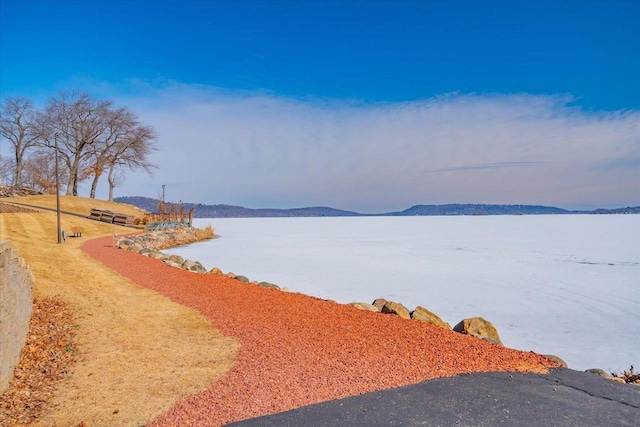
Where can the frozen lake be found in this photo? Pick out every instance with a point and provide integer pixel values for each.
(567, 285)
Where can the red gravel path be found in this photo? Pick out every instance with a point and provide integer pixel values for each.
(297, 350)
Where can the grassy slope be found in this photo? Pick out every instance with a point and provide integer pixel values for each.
(139, 352)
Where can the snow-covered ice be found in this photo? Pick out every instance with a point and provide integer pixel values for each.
(567, 285)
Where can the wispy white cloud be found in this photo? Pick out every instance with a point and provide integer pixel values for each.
(262, 150)
(486, 166)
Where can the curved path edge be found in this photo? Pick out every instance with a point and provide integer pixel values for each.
(562, 397)
(298, 350)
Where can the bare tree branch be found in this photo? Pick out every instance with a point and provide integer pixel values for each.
(132, 153)
(124, 136)
(40, 172)
(92, 136)
(17, 125)
(78, 122)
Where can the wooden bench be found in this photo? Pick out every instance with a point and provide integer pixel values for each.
(77, 232)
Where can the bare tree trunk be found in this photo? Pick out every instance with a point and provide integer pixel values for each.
(17, 179)
(112, 183)
(94, 184)
(74, 170)
(72, 185)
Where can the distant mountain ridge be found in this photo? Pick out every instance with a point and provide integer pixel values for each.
(627, 210)
(471, 209)
(228, 211)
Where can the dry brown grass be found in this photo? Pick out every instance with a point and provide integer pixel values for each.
(138, 351)
(81, 205)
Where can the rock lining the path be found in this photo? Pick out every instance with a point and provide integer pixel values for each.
(148, 244)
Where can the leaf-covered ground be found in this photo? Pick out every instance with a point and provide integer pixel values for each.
(45, 358)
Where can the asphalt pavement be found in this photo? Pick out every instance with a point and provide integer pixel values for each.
(563, 397)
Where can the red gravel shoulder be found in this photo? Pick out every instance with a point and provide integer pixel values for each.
(297, 350)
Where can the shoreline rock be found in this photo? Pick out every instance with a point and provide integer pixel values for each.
(364, 306)
(561, 363)
(164, 239)
(149, 244)
(397, 309)
(421, 314)
(480, 328)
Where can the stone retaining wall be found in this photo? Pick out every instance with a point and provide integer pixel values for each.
(16, 303)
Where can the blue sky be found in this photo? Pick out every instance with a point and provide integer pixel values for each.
(365, 105)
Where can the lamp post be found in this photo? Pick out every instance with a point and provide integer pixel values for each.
(57, 191)
(163, 194)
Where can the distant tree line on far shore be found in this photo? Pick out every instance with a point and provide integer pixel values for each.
(92, 138)
(201, 210)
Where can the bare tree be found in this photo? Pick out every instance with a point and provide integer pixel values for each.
(115, 177)
(6, 168)
(118, 123)
(93, 136)
(17, 125)
(132, 153)
(78, 123)
(125, 143)
(40, 172)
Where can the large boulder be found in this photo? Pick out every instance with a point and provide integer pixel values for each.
(398, 309)
(268, 285)
(177, 259)
(194, 266)
(145, 251)
(423, 315)
(479, 327)
(243, 279)
(600, 372)
(171, 263)
(364, 306)
(379, 303)
(125, 243)
(561, 363)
